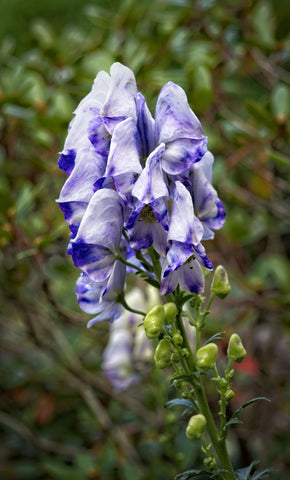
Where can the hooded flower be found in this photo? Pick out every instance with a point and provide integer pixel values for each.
(182, 264)
(98, 241)
(128, 348)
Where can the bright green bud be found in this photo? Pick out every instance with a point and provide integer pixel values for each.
(162, 355)
(195, 427)
(220, 285)
(236, 350)
(170, 310)
(206, 356)
(229, 395)
(154, 321)
(177, 339)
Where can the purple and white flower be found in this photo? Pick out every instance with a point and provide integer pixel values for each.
(136, 182)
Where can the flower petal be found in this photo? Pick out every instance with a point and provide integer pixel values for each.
(103, 221)
(120, 101)
(174, 117)
(181, 154)
(151, 184)
(124, 151)
(191, 277)
(184, 226)
(146, 126)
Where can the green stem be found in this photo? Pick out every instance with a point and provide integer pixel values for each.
(219, 444)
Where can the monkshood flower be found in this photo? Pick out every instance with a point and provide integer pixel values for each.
(85, 154)
(98, 242)
(182, 264)
(136, 182)
(128, 349)
(91, 298)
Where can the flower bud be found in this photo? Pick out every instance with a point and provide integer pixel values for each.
(206, 356)
(162, 356)
(220, 285)
(229, 395)
(236, 350)
(170, 310)
(154, 321)
(177, 339)
(195, 427)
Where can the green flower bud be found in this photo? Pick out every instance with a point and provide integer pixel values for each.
(206, 356)
(154, 321)
(220, 285)
(162, 355)
(229, 395)
(177, 339)
(236, 350)
(170, 310)
(195, 427)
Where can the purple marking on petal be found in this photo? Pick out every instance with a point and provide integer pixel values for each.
(174, 117)
(184, 225)
(151, 184)
(120, 101)
(146, 127)
(181, 154)
(191, 277)
(67, 161)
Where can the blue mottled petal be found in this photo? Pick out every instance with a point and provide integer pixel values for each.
(120, 102)
(98, 93)
(94, 260)
(103, 221)
(73, 213)
(174, 117)
(151, 184)
(145, 230)
(199, 253)
(88, 294)
(146, 127)
(168, 282)
(180, 154)
(115, 283)
(178, 254)
(184, 226)
(124, 151)
(191, 277)
(208, 207)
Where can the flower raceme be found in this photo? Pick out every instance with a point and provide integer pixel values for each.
(136, 183)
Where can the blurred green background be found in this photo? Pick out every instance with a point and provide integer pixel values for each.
(60, 418)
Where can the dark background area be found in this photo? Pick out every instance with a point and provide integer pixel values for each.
(60, 418)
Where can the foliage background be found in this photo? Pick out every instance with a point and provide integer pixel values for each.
(60, 418)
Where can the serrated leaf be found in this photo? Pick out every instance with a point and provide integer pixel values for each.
(179, 401)
(216, 336)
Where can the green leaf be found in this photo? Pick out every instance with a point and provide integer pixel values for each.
(202, 474)
(234, 418)
(179, 401)
(216, 336)
(250, 473)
